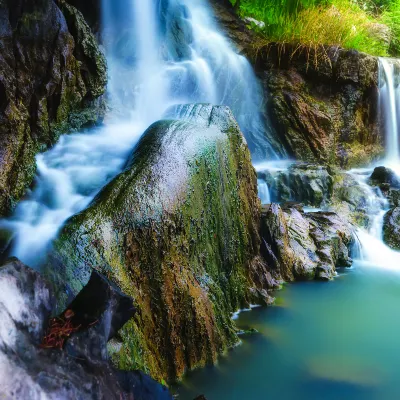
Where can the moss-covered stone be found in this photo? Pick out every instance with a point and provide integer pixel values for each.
(50, 82)
(177, 231)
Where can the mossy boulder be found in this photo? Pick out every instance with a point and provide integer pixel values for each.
(391, 228)
(178, 232)
(50, 83)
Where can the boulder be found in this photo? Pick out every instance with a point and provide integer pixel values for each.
(50, 83)
(31, 368)
(385, 176)
(391, 228)
(351, 199)
(304, 246)
(309, 184)
(177, 230)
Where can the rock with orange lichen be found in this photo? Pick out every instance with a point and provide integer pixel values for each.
(178, 232)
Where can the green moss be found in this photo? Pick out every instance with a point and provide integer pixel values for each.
(182, 253)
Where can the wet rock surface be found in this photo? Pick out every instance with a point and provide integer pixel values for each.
(177, 231)
(303, 246)
(81, 370)
(322, 103)
(309, 184)
(50, 81)
(323, 111)
(391, 228)
(385, 176)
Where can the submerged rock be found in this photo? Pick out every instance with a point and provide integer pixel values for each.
(28, 370)
(300, 245)
(50, 82)
(178, 232)
(391, 228)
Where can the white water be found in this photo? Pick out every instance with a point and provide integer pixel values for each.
(373, 251)
(390, 108)
(263, 192)
(154, 68)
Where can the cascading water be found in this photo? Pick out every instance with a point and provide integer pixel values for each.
(373, 250)
(160, 53)
(389, 75)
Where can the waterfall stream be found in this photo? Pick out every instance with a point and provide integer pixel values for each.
(373, 250)
(160, 53)
(390, 107)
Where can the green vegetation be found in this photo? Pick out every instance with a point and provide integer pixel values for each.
(371, 26)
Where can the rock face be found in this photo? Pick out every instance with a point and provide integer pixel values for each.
(324, 111)
(178, 232)
(51, 73)
(302, 246)
(320, 186)
(309, 184)
(391, 228)
(323, 105)
(385, 176)
(81, 370)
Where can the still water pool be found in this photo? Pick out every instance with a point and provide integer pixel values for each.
(335, 340)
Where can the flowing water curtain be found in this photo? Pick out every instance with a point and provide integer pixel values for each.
(172, 52)
(389, 73)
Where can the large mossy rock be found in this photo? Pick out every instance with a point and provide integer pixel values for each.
(51, 76)
(391, 228)
(304, 246)
(177, 231)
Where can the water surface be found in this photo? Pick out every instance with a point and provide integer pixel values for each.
(335, 340)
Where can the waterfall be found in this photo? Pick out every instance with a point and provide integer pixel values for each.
(371, 250)
(160, 53)
(390, 107)
(263, 192)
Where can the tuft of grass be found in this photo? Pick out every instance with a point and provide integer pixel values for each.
(363, 25)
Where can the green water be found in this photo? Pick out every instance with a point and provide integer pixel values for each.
(335, 340)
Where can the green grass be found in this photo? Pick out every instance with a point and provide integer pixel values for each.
(363, 25)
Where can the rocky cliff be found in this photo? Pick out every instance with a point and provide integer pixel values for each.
(323, 106)
(52, 74)
(322, 102)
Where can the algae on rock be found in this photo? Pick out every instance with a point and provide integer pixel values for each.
(50, 83)
(177, 231)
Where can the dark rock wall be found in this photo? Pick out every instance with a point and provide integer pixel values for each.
(51, 76)
(32, 368)
(324, 105)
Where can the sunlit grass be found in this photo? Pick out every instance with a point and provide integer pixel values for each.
(350, 24)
